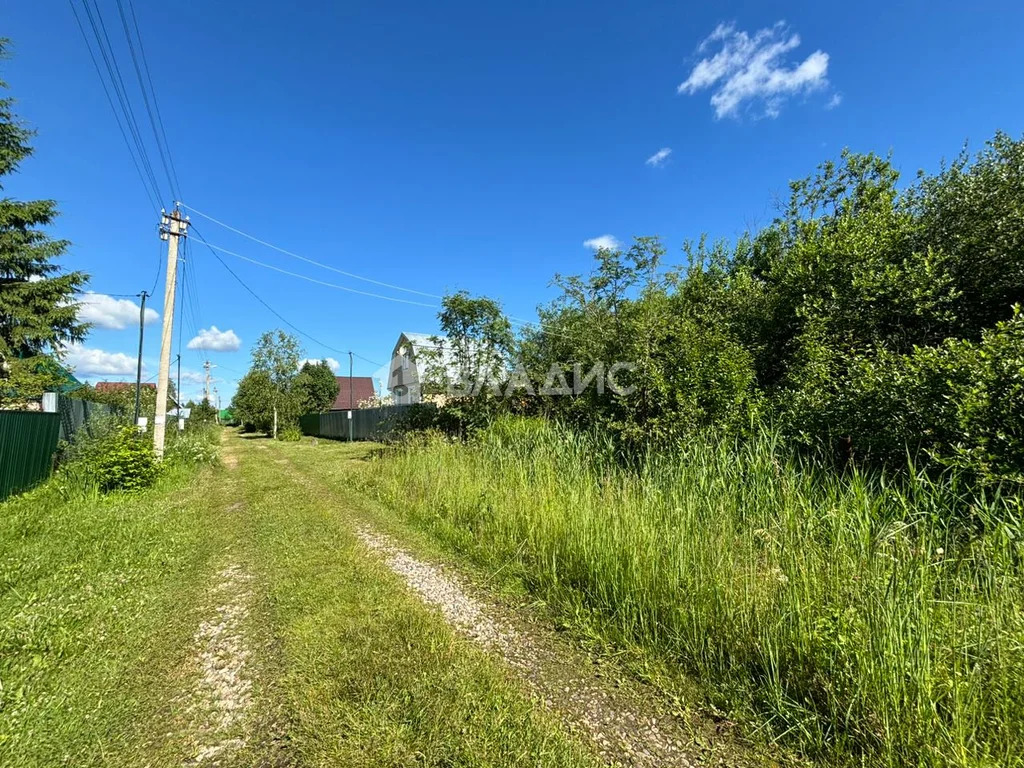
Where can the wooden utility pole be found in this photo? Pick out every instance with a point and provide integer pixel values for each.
(138, 370)
(173, 227)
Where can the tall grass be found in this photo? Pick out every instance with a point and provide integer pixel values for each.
(864, 620)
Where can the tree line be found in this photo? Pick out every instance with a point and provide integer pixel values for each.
(870, 321)
(276, 390)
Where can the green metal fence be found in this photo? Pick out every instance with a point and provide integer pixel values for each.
(28, 441)
(81, 415)
(367, 423)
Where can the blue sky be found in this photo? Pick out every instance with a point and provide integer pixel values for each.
(476, 146)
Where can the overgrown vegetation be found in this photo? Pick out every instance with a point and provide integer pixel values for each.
(867, 322)
(858, 619)
(805, 490)
(112, 455)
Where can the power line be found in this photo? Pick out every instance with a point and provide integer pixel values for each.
(156, 104)
(165, 151)
(135, 161)
(513, 320)
(305, 259)
(365, 360)
(111, 295)
(159, 266)
(320, 282)
(117, 81)
(180, 319)
(269, 308)
(188, 302)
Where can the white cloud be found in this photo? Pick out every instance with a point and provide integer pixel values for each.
(835, 101)
(658, 157)
(607, 242)
(113, 314)
(192, 377)
(333, 364)
(216, 340)
(96, 362)
(753, 69)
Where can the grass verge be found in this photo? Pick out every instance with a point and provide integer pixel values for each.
(97, 602)
(845, 616)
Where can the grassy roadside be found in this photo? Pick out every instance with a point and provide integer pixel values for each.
(842, 616)
(366, 675)
(342, 469)
(97, 605)
(102, 598)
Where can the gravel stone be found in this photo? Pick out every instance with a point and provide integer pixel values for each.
(622, 724)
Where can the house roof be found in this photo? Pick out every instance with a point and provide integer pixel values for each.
(420, 340)
(429, 342)
(120, 386)
(362, 389)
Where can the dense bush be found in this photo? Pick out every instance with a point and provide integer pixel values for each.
(114, 456)
(959, 403)
(123, 461)
(290, 434)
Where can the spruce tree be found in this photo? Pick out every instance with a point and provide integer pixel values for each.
(38, 313)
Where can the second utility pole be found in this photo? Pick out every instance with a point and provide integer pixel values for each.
(138, 371)
(351, 405)
(172, 228)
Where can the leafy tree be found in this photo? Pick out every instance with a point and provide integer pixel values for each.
(974, 211)
(277, 354)
(201, 414)
(680, 369)
(868, 315)
(316, 387)
(253, 401)
(38, 314)
(470, 366)
(28, 379)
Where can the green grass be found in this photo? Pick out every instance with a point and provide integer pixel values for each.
(97, 596)
(846, 614)
(101, 596)
(367, 675)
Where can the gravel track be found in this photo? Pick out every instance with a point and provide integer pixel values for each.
(222, 698)
(623, 722)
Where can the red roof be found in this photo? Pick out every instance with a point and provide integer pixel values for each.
(362, 389)
(120, 386)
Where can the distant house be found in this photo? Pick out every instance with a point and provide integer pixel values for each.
(361, 390)
(108, 387)
(415, 357)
